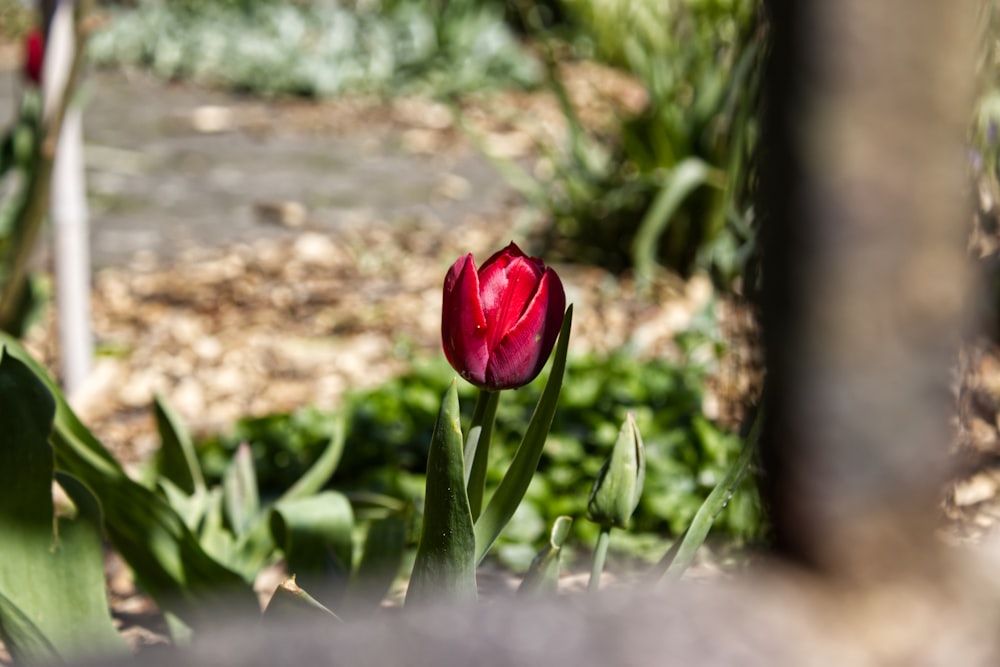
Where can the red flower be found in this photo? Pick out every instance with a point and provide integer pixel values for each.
(499, 323)
(34, 55)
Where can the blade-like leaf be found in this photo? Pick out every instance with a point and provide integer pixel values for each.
(25, 642)
(215, 539)
(291, 605)
(166, 557)
(682, 551)
(256, 545)
(543, 574)
(51, 573)
(254, 548)
(190, 508)
(239, 491)
(687, 176)
(322, 470)
(515, 481)
(316, 535)
(445, 564)
(380, 563)
(176, 459)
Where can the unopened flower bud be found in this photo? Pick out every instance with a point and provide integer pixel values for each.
(618, 486)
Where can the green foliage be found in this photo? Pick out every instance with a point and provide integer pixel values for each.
(167, 559)
(543, 573)
(312, 529)
(445, 563)
(519, 472)
(986, 115)
(15, 19)
(191, 546)
(682, 552)
(53, 603)
(672, 184)
(24, 186)
(319, 49)
(389, 428)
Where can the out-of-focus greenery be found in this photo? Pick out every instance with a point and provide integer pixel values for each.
(319, 48)
(986, 115)
(672, 185)
(389, 429)
(15, 19)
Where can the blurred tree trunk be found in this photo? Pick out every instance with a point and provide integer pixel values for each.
(866, 276)
(46, 8)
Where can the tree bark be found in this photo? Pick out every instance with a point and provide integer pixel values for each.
(865, 272)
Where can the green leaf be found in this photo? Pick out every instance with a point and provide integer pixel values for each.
(289, 605)
(255, 544)
(381, 560)
(176, 459)
(515, 482)
(167, 559)
(215, 539)
(689, 175)
(445, 564)
(543, 574)
(254, 548)
(23, 639)
(239, 491)
(190, 508)
(51, 571)
(315, 534)
(681, 552)
(322, 470)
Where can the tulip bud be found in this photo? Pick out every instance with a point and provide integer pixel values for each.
(618, 486)
(34, 55)
(500, 322)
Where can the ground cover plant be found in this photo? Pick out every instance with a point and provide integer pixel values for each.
(389, 429)
(319, 49)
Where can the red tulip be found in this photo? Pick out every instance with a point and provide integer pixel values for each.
(499, 323)
(34, 55)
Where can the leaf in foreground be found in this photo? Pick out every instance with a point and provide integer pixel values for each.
(54, 601)
(445, 564)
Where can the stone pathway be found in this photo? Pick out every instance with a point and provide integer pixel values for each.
(170, 167)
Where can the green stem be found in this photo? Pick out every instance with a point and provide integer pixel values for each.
(600, 555)
(477, 447)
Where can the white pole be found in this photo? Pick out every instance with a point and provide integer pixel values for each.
(68, 207)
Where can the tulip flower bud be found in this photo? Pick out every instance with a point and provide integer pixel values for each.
(618, 486)
(500, 322)
(34, 55)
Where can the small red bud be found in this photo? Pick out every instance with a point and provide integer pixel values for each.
(34, 56)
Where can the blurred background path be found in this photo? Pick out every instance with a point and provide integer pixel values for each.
(175, 166)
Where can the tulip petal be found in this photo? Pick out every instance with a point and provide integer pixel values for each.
(463, 325)
(524, 349)
(507, 282)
